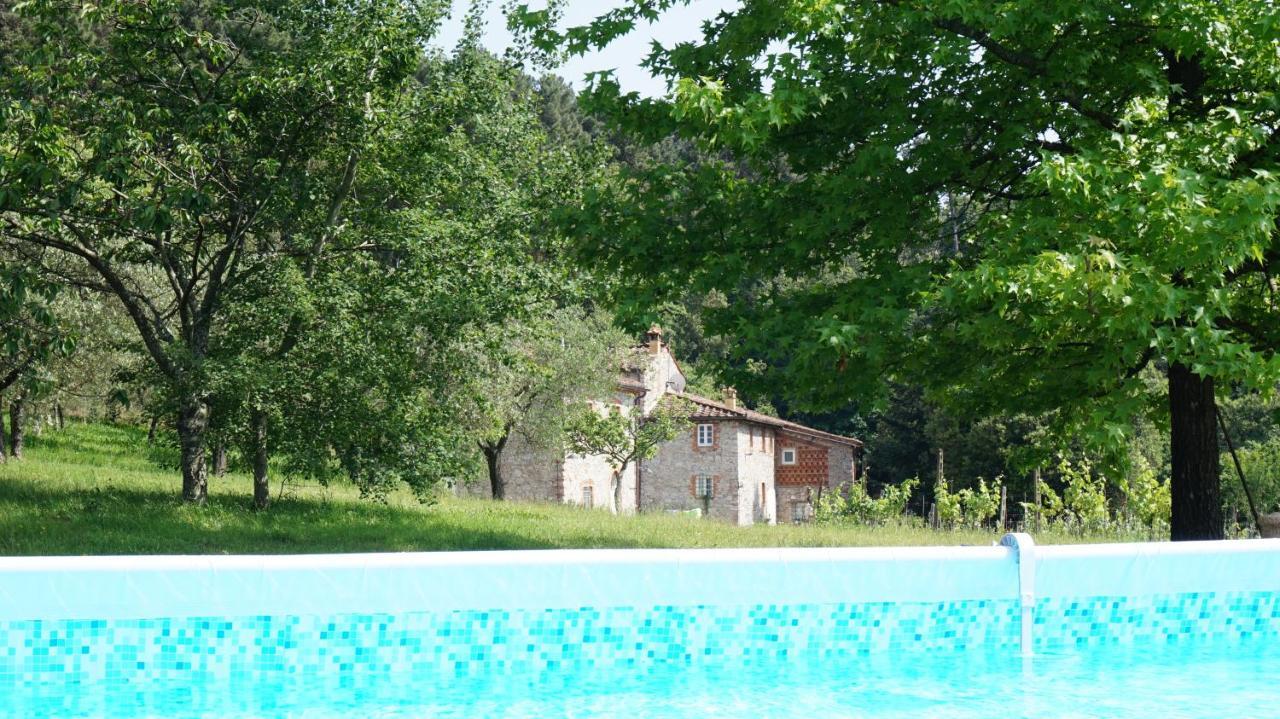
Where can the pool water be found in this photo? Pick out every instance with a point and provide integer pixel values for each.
(1174, 631)
(1178, 680)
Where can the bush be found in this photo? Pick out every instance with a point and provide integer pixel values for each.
(968, 508)
(1084, 499)
(947, 505)
(1261, 464)
(1147, 503)
(856, 506)
(1082, 507)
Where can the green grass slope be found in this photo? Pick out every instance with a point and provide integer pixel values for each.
(99, 489)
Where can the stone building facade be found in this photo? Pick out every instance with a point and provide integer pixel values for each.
(733, 464)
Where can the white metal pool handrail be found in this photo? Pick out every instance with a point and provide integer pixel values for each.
(1024, 548)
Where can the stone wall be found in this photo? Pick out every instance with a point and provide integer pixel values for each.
(755, 475)
(819, 468)
(789, 496)
(667, 482)
(661, 373)
(531, 474)
(840, 465)
(594, 471)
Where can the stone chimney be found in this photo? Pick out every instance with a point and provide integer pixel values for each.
(654, 339)
(731, 397)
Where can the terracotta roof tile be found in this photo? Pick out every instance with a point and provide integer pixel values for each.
(705, 408)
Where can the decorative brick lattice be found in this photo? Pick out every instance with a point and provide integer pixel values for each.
(811, 463)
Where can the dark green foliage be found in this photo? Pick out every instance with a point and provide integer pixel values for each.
(1019, 206)
(299, 210)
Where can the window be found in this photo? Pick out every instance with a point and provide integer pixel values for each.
(588, 497)
(788, 456)
(704, 486)
(706, 435)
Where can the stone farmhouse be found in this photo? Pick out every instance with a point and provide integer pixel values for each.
(733, 464)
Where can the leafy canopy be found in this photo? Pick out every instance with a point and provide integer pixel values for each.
(1020, 205)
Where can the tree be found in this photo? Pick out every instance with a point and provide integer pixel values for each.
(359, 363)
(31, 334)
(30, 331)
(534, 373)
(1019, 205)
(90, 377)
(170, 148)
(624, 437)
(905, 434)
(560, 114)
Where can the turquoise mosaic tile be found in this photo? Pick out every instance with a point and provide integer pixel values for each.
(494, 642)
(475, 643)
(1206, 616)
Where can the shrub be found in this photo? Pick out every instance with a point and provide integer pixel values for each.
(856, 506)
(1050, 506)
(1147, 502)
(971, 508)
(980, 505)
(1261, 464)
(1084, 498)
(949, 510)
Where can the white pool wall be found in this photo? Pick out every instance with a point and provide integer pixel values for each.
(1157, 568)
(135, 587)
(184, 586)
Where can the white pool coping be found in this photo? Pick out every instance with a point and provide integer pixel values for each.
(117, 587)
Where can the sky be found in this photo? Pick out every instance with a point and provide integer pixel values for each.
(623, 55)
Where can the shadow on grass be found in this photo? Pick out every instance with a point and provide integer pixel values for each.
(107, 444)
(103, 489)
(95, 489)
(112, 520)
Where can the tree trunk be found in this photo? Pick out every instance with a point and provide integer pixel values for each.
(151, 431)
(193, 421)
(220, 460)
(1194, 488)
(261, 485)
(492, 453)
(62, 418)
(616, 485)
(17, 416)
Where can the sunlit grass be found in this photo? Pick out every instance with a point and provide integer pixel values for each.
(99, 489)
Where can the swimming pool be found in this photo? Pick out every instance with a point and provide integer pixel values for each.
(1184, 630)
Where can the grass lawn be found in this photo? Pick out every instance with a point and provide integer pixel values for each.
(99, 489)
